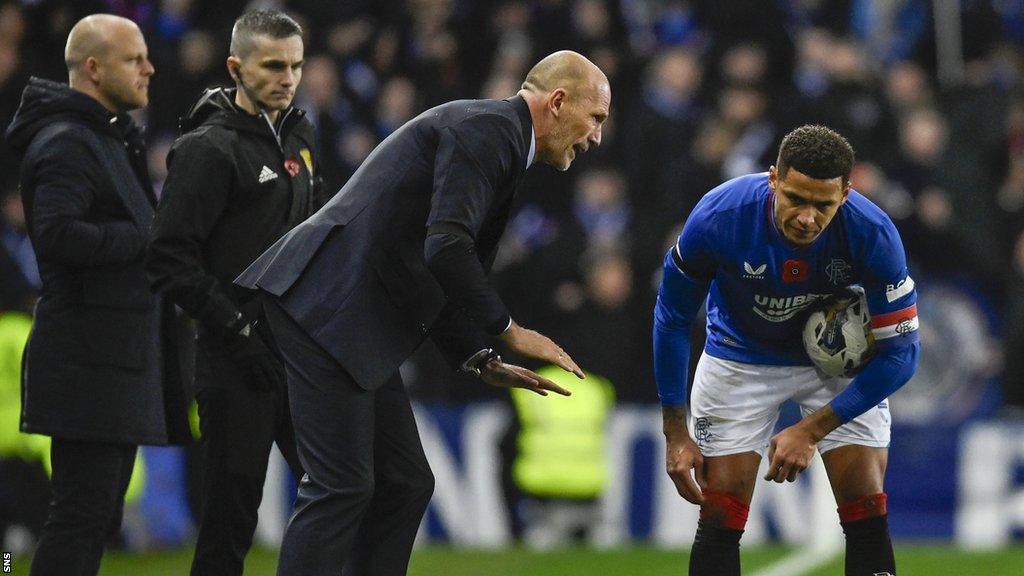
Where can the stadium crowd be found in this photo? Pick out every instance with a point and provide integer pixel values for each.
(703, 92)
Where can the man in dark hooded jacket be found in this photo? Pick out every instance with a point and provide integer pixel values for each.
(96, 378)
(242, 175)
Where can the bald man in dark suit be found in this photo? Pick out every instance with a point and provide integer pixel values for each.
(401, 254)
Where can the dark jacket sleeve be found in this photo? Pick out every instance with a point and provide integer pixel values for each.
(63, 192)
(473, 159)
(195, 194)
(456, 336)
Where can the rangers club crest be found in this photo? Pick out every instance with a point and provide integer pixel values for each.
(838, 272)
(701, 429)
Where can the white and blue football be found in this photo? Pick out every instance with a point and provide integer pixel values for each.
(837, 335)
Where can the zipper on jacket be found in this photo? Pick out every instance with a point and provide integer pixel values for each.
(277, 135)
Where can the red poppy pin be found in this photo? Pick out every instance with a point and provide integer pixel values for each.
(292, 166)
(794, 271)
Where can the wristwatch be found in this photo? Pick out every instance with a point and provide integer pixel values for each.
(478, 361)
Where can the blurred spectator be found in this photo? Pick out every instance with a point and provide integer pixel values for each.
(1013, 374)
(661, 129)
(560, 467)
(651, 25)
(12, 80)
(397, 104)
(542, 254)
(607, 315)
(156, 158)
(907, 87)
(1011, 192)
(356, 144)
(831, 15)
(196, 62)
(24, 484)
(19, 273)
(745, 65)
(744, 109)
(921, 171)
(868, 179)
(330, 112)
(892, 30)
(854, 103)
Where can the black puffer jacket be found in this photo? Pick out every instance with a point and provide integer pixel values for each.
(100, 364)
(234, 186)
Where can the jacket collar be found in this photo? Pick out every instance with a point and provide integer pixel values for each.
(529, 141)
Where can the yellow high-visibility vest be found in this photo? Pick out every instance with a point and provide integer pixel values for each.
(14, 330)
(561, 442)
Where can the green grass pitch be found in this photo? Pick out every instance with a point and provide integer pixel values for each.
(430, 561)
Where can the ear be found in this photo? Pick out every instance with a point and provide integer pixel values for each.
(92, 69)
(773, 178)
(555, 100)
(233, 64)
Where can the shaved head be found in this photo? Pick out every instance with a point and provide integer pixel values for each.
(107, 59)
(91, 37)
(563, 69)
(569, 100)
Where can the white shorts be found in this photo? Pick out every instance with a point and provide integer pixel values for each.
(734, 407)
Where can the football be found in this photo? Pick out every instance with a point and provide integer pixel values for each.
(838, 335)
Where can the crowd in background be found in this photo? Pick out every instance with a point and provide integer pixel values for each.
(702, 90)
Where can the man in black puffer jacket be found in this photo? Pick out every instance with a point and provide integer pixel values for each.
(98, 375)
(242, 174)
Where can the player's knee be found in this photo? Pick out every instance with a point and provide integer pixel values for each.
(723, 510)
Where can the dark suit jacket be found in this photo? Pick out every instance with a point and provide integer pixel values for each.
(355, 275)
(94, 368)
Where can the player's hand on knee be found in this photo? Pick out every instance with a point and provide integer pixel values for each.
(685, 466)
(502, 375)
(533, 344)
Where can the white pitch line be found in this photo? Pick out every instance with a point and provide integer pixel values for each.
(802, 562)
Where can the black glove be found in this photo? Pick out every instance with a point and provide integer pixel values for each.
(261, 369)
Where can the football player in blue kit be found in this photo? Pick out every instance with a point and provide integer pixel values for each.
(761, 249)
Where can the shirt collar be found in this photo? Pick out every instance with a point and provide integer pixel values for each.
(533, 147)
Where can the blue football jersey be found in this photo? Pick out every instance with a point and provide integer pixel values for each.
(760, 283)
(757, 284)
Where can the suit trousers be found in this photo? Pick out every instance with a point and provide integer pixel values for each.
(239, 423)
(89, 482)
(367, 481)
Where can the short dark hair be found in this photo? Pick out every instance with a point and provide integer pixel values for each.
(817, 151)
(272, 23)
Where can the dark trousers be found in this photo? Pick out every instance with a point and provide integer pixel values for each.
(89, 482)
(367, 481)
(24, 494)
(239, 425)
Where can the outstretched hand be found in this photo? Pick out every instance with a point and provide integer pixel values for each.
(533, 344)
(502, 375)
